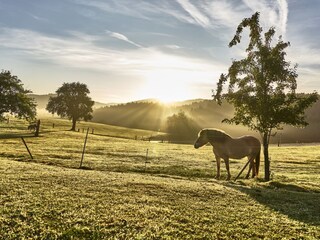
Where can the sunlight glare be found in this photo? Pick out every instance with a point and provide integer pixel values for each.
(167, 86)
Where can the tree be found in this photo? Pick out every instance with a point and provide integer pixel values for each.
(14, 98)
(181, 128)
(72, 101)
(262, 86)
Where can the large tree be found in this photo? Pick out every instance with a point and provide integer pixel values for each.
(181, 128)
(14, 97)
(72, 101)
(262, 86)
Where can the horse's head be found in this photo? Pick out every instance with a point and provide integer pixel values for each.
(202, 139)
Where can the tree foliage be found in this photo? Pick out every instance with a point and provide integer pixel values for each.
(72, 102)
(181, 128)
(14, 97)
(262, 86)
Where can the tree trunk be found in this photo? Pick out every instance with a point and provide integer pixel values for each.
(266, 157)
(37, 129)
(74, 121)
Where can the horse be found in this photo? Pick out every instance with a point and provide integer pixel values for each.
(225, 147)
(32, 127)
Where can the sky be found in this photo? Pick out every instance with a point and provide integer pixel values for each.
(126, 50)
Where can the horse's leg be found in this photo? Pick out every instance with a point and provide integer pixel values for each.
(218, 166)
(226, 161)
(250, 168)
(254, 168)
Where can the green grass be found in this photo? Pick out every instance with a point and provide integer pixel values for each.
(172, 196)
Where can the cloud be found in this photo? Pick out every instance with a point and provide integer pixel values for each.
(283, 15)
(121, 7)
(123, 38)
(212, 14)
(198, 16)
(273, 13)
(209, 14)
(79, 51)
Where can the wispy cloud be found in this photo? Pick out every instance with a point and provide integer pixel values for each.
(198, 16)
(77, 53)
(209, 14)
(122, 38)
(122, 7)
(273, 13)
(283, 15)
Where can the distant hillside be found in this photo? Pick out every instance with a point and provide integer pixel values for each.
(141, 115)
(207, 113)
(42, 101)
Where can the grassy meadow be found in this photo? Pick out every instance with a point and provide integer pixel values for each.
(134, 189)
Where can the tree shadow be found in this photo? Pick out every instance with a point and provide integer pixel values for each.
(294, 201)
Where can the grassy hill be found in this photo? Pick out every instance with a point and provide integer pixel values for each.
(135, 189)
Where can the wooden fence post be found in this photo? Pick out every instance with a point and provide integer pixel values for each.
(84, 148)
(243, 169)
(25, 144)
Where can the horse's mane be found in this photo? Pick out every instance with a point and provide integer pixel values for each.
(216, 135)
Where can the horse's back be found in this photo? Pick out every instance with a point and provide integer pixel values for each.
(250, 140)
(243, 146)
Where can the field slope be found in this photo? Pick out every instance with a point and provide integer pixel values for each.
(133, 189)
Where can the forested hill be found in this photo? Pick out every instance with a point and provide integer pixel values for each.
(206, 113)
(152, 115)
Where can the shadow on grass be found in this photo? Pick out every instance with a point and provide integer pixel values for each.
(16, 135)
(173, 171)
(294, 201)
(28, 135)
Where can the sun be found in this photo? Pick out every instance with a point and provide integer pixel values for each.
(166, 86)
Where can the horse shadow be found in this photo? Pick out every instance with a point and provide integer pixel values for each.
(294, 201)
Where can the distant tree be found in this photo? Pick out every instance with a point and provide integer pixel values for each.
(14, 98)
(181, 128)
(262, 86)
(72, 101)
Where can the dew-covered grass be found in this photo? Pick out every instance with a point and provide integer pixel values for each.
(134, 189)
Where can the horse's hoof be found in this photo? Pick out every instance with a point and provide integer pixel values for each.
(228, 178)
(217, 177)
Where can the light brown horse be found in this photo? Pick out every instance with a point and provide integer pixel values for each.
(225, 147)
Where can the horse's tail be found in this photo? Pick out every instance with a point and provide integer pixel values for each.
(258, 162)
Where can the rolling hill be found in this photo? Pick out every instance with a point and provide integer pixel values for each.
(206, 113)
(150, 114)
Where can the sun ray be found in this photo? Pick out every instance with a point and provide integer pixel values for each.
(167, 86)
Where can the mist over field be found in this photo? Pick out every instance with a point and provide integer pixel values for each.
(151, 114)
